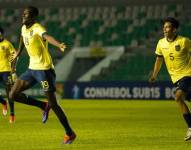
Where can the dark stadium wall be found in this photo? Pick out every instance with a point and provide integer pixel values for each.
(70, 3)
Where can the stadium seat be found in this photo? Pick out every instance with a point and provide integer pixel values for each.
(130, 25)
(108, 19)
(134, 67)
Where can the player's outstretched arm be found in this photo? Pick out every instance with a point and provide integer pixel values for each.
(157, 67)
(54, 42)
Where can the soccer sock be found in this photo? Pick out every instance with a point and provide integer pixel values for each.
(187, 118)
(63, 119)
(11, 105)
(2, 101)
(22, 98)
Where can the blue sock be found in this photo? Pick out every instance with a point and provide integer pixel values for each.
(187, 118)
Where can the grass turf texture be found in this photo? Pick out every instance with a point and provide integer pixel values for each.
(100, 125)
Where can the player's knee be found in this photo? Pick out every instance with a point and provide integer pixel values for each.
(179, 97)
(12, 95)
(53, 105)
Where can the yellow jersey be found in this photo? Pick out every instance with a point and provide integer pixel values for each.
(177, 56)
(6, 49)
(37, 47)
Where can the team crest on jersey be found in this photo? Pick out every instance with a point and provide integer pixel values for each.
(177, 47)
(31, 32)
(3, 47)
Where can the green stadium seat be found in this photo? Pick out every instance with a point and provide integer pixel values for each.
(135, 68)
(116, 19)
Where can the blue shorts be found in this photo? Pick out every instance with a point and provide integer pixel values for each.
(185, 85)
(46, 78)
(6, 78)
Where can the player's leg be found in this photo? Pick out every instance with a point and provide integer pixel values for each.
(4, 104)
(17, 95)
(180, 97)
(11, 105)
(8, 82)
(2, 100)
(58, 111)
(70, 135)
(24, 83)
(47, 80)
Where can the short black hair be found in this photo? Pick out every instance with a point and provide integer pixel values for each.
(34, 11)
(173, 21)
(1, 30)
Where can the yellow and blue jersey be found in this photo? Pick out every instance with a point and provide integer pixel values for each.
(177, 56)
(6, 49)
(37, 47)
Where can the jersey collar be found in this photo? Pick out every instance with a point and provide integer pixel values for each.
(173, 38)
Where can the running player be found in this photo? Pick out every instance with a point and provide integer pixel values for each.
(175, 50)
(35, 38)
(6, 70)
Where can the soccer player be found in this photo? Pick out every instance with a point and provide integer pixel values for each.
(6, 70)
(175, 50)
(35, 39)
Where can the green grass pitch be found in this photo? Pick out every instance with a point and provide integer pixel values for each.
(100, 125)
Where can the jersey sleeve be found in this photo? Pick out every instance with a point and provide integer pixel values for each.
(40, 30)
(158, 50)
(188, 44)
(11, 48)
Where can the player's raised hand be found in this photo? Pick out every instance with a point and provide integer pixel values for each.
(62, 47)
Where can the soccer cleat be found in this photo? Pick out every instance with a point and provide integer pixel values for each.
(45, 113)
(5, 109)
(11, 119)
(68, 139)
(188, 135)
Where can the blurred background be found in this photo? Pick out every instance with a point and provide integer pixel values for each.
(110, 44)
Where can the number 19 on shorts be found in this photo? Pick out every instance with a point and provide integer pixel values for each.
(45, 85)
